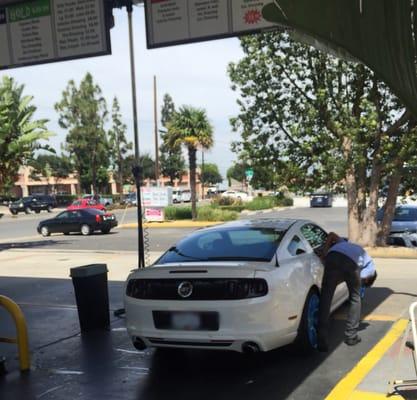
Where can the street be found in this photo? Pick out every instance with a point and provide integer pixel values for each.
(21, 231)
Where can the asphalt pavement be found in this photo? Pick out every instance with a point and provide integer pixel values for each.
(21, 231)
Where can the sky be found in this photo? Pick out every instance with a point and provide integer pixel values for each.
(193, 74)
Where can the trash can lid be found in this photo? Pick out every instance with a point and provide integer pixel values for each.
(88, 270)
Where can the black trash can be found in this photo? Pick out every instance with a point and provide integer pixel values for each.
(91, 293)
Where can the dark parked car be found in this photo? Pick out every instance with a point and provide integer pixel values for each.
(35, 203)
(85, 221)
(321, 200)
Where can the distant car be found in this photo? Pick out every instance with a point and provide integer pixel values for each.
(186, 196)
(106, 201)
(34, 203)
(131, 199)
(85, 221)
(247, 286)
(405, 218)
(237, 195)
(85, 203)
(321, 200)
(176, 196)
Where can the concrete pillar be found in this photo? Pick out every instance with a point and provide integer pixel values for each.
(73, 189)
(25, 190)
(113, 188)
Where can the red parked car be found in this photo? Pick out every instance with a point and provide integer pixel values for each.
(85, 203)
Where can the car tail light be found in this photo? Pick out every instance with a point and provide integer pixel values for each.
(98, 218)
(203, 289)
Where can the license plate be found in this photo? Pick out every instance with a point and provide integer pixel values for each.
(186, 321)
(106, 218)
(319, 200)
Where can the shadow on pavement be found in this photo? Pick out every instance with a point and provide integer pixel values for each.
(105, 365)
(29, 245)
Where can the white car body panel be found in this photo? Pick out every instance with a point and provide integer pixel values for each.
(270, 321)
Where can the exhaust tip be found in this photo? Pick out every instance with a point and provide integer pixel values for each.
(250, 348)
(139, 344)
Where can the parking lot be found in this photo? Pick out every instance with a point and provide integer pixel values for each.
(68, 365)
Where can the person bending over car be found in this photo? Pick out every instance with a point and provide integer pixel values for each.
(343, 262)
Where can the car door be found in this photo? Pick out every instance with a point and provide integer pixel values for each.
(316, 238)
(60, 223)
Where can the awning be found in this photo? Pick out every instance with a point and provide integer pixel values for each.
(378, 33)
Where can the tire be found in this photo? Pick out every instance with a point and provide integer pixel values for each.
(37, 211)
(66, 233)
(28, 210)
(49, 209)
(105, 231)
(85, 230)
(14, 212)
(45, 231)
(306, 340)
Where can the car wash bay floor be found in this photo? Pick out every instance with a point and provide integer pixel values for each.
(104, 365)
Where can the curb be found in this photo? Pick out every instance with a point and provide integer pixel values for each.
(173, 224)
(392, 252)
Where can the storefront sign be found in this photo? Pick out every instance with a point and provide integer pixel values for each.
(172, 22)
(44, 31)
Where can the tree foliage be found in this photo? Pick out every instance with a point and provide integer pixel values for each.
(190, 127)
(146, 162)
(83, 112)
(171, 161)
(210, 174)
(318, 121)
(118, 144)
(51, 167)
(20, 132)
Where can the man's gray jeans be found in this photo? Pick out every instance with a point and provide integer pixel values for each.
(339, 268)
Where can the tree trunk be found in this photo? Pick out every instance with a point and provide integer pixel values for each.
(192, 151)
(389, 206)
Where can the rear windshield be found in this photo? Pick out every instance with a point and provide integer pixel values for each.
(233, 244)
(402, 214)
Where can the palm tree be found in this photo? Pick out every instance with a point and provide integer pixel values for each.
(191, 128)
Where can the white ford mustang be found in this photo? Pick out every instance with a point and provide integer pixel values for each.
(247, 286)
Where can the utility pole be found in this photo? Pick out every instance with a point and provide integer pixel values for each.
(137, 170)
(155, 117)
(202, 174)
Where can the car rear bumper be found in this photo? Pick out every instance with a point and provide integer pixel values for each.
(256, 321)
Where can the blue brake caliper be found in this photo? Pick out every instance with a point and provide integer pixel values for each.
(312, 319)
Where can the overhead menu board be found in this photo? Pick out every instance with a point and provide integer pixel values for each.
(43, 31)
(172, 22)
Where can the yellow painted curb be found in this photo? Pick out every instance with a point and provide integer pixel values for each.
(357, 395)
(392, 252)
(172, 224)
(370, 317)
(345, 388)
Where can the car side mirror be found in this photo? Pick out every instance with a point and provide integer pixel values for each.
(299, 252)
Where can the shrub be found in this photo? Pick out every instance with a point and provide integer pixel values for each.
(285, 202)
(266, 202)
(215, 214)
(222, 201)
(237, 207)
(175, 213)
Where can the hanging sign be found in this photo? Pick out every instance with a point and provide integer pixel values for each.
(43, 31)
(171, 22)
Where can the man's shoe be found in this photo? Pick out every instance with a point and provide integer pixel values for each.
(353, 341)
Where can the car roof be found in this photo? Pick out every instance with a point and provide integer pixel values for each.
(279, 224)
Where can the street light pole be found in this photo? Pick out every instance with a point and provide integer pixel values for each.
(137, 171)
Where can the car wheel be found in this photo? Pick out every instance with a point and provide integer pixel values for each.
(105, 231)
(13, 212)
(85, 229)
(45, 231)
(306, 340)
(49, 209)
(28, 210)
(66, 233)
(37, 211)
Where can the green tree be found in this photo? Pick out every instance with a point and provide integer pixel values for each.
(83, 112)
(146, 162)
(20, 132)
(171, 161)
(210, 174)
(191, 128)
(118, 144)
(52, 167)
(237, 172)
(326, 121)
